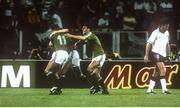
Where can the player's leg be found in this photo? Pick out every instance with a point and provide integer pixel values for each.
(62, 60)
(154, 58)
(78, 72)
(57, 86)
(74, 55)
(60, 76)
(66, 65)
(98, 63)
(152, 81)
(51, 65)
(50, 72)
(92, 89)
(162, 69)
(101, 60)
(92, 76)
(100, 81)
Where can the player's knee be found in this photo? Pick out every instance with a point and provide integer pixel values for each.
(89, 69)
(163, 71)
(45, 71)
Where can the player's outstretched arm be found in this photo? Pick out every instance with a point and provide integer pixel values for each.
(60, 31)
(79, 37)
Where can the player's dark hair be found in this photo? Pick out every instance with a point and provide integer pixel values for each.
(88, 25)
(55, 27)
(163, 21)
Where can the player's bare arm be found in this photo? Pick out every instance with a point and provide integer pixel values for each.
(79, 37)
(60, 31)
(168, 49)
(77, 42)
(147, 50)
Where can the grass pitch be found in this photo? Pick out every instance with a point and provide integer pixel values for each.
(33, 97)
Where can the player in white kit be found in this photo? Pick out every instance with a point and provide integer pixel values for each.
(157, 51)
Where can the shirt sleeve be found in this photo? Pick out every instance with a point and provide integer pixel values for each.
(152, 37)
(89, 36)
(167, 34)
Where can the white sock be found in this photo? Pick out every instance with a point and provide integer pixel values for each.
(163, 84)
(151, 85)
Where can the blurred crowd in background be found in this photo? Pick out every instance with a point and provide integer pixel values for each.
(32, 18)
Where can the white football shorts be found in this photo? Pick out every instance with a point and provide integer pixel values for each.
(101, 59)
(75, 59)
(60, 56)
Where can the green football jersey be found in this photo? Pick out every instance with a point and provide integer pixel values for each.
(95, 45)
(59, 41)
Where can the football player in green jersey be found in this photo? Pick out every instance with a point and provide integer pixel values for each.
(54, 69)
(98, 58)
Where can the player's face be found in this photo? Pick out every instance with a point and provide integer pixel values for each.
(163, 28)
(85, 30)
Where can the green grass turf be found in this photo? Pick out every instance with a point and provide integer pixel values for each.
(31, 97)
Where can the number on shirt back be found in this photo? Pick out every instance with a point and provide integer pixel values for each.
(62, 40)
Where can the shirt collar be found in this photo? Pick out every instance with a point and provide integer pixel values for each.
(89, 34)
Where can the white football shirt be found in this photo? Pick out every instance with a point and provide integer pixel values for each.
(159, 42)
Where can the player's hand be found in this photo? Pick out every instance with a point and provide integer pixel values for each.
(168, 59)
(146, 59)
